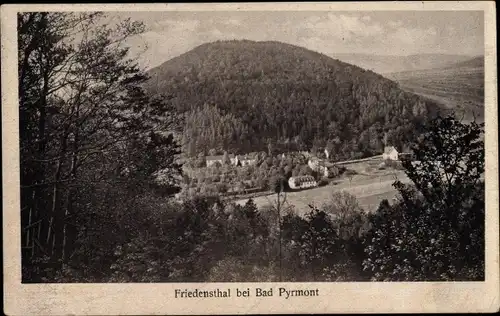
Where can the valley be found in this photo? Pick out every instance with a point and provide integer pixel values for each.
(266, 98)
(384, 64)
(459, 88)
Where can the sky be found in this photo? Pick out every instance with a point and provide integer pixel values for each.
(169, 34)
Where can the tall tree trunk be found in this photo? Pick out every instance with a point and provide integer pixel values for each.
(69, 231)
(55, 218)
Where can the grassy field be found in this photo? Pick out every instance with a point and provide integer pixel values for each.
(370, 186)
(458, 89)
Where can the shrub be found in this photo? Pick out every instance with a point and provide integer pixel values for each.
(323, 182)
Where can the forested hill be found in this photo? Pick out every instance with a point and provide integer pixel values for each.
(245, 96)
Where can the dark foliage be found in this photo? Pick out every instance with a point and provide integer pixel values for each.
(436, 230)
(93, 146)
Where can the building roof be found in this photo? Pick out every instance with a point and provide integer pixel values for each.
(219, 157)
(247, 157)
(303, 178)
(321, 162)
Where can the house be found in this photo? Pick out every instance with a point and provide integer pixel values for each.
(302, 182)
(211, 160)
(327, 153)
(313, 163)
(406, 156)
(243, 160)
(320, 165)
(246, 160)
(390, 153)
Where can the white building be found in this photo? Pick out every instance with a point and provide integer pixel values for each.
(243, 160)
(246, 160)
(327, 153)
(321, 166)
(390, 153)
(313, 163)
(302, 182)
(211, 160)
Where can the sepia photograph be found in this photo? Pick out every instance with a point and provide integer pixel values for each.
(228, 148)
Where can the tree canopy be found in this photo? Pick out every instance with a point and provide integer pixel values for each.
(240, 95)
(436, 230)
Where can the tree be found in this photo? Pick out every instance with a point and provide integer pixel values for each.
(212, 152)
(436, 230)
(201, 160)
(448, 163)
(84, 120)
(350, 174)
(278, 186)
(343, 206)
(270, 148)
(319, 242)
(305, 171)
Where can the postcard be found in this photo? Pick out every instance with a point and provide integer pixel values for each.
(250, 158)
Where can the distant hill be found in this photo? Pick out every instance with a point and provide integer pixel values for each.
(389, 64)
(244, 96)
(476, 62)
(459, 87)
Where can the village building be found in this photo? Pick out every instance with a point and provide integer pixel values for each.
(321, 166)
(236, 160)
(302, 182)
(246, 160)
(327, 153)
(390, 153)
(313, 163)
(406, 156)
(211, 160)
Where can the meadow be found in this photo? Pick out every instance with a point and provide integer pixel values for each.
(370, 186)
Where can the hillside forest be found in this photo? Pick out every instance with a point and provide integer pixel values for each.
(239, 96)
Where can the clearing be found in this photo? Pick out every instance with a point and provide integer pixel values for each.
(370, 186)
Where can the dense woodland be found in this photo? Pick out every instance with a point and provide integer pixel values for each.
(89, 137)
(98, 172)
(241, 95)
